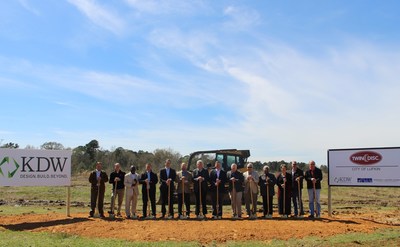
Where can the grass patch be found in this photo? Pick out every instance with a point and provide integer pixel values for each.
(387, 237)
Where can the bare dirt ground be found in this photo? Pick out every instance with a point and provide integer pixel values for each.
(206, 231)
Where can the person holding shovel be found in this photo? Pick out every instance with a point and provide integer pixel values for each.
(131, 182)
(167, 188)
(183, 180)
(313, 177)
(267, 183)
(200, 186)
(235, 179)
(297, 187)
(251, 179)
(284, 182)
(117, 180)
(97, 179)
(217, 189)
(148, 180)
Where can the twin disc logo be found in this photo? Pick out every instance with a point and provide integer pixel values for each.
(366, 158)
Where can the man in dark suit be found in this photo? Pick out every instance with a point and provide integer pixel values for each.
(217, 189)
(236, 181)
(297, 187)
(167, 179)
(267, 182)
(200, 186)
(149, 179)
(313, 177)
(97, 179)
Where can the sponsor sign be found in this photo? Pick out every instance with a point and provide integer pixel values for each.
(27, 167)
(364, 167)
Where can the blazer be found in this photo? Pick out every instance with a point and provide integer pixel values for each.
(93, 179)
(254, 184)
(163, 179)
(153, 182)
(187, 181)
(213, 180)
(263, 182)
(317, 174)
(131, 183)
(297, 174)
(239, 184)
(204, 184)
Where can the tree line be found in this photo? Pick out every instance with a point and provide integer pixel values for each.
(85, 156)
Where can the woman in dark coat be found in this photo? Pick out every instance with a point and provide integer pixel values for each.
(284, 182)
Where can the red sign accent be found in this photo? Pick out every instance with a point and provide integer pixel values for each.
(365, 158)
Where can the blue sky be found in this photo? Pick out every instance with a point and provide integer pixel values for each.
(285, 79)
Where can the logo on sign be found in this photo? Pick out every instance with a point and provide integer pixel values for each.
(364, 180)
(6, 161)
(365, 158)
(342, 180)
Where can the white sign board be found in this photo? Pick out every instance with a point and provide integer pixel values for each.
(27, 167)
(364, 167)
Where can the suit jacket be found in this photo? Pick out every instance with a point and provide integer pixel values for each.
(204, 184)
(187, 181)
(271, 184)
(254, 184)
(93, 179)
(153, 182)
(213, 180)
(131, 183)
(288, 184)
(239, 184)
(317, 174)
(120, 183)
(297, 174)
(164, 177)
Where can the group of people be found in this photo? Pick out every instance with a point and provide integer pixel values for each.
(217, 182)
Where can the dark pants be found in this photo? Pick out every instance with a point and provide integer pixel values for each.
(187, 203)
(93, 199)
(284, 209)
(216, 202)
(203, 201)
(152, 202)
(267, 209)
(164, 201)
(296, 201)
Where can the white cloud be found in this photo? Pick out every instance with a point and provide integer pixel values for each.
(27, 6)
(100, 15)
(157, 7)
(240, 18)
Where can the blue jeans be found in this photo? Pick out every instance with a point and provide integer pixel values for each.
(312, 202)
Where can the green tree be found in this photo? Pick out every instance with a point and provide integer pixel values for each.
(52, 146)
(10, 145)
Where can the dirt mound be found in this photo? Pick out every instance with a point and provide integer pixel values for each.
(203, 231)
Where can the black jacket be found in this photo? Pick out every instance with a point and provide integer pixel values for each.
(213, 179)
(297, 174)
(163, 179)
(153, 181)
(204, 185)
(120, 183)
(239, 184)
(317, 174)
(262, 182)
